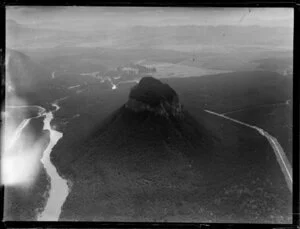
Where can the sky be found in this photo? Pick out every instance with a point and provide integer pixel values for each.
(75, 18)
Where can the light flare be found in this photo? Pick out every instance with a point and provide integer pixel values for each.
(21, 167)
(20, 149)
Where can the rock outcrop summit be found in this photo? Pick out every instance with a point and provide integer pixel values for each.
(154, 96)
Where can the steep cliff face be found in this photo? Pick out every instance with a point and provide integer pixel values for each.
(154, 96)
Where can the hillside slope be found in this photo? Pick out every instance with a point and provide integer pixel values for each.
(141, 165)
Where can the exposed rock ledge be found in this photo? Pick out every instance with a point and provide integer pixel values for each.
(154, 96)
(164, 108)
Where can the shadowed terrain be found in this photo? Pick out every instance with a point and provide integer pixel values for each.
(154, 167)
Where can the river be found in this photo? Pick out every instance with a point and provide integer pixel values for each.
(59, 189)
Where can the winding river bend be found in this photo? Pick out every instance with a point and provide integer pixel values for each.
(59, 189)
(281, 157)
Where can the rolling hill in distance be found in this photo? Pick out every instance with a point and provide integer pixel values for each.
(152, 37)
(213, 47)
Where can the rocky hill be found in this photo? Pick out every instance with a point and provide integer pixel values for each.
(145, 162)
(154, 96)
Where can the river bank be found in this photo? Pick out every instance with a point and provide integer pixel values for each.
(45, 195)
(59, 188)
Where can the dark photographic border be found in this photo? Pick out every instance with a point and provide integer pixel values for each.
(172, 3)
